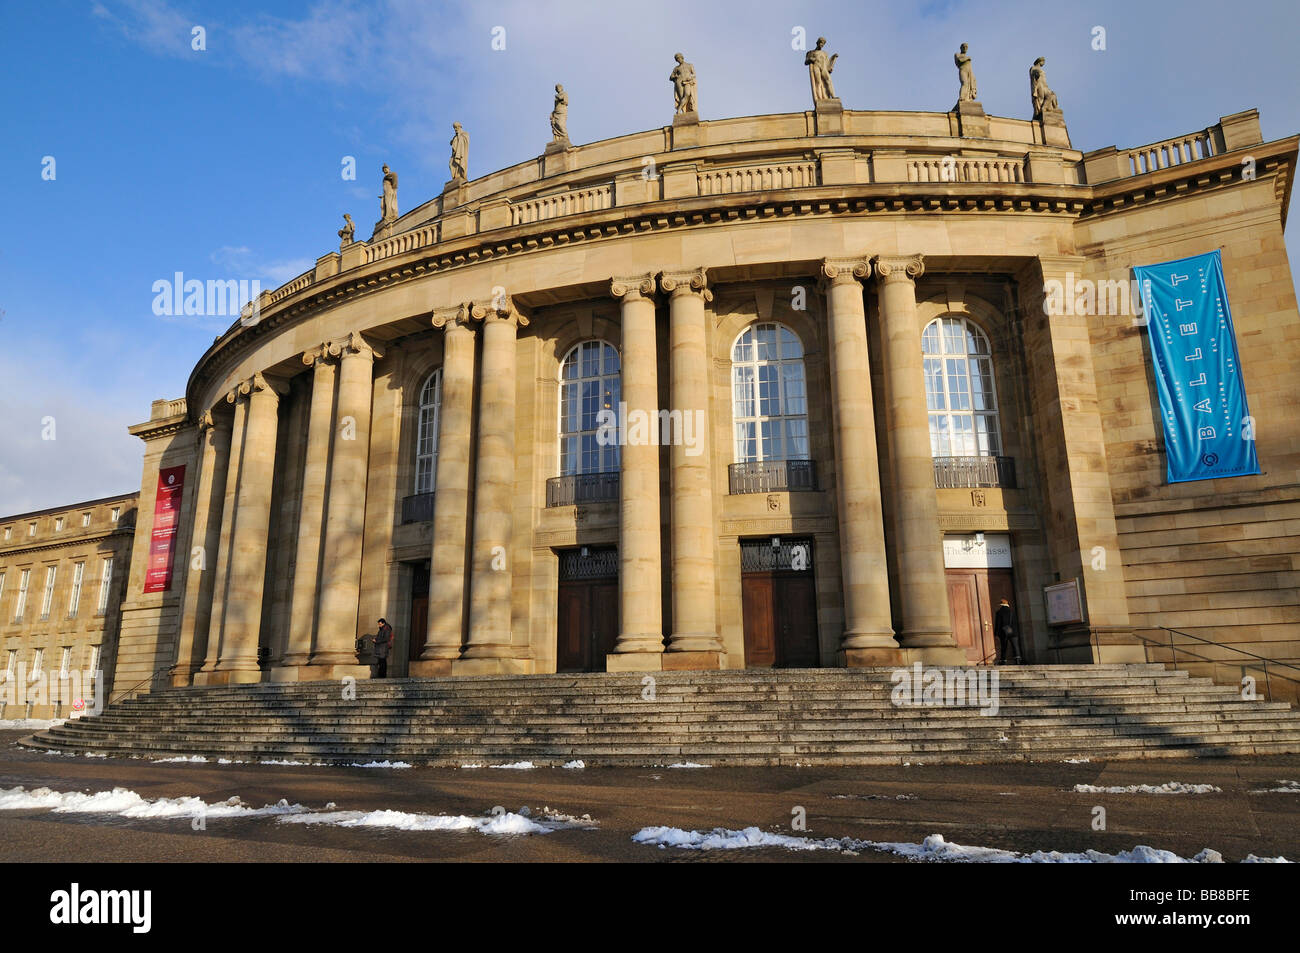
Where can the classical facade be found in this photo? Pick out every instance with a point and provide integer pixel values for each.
(62, 580)
(777, 390)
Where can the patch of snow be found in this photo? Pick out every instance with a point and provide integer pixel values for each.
(39, 724)
(381, 764)
(1077, 761)
(296, 764)
(1169, 787)
(516, 766)
(504, 823)
(127, 803)
(467, 767)
(874, 797)
(1287, 787)
(194, 758)
(573, 765)
(933, 849)
(688, 764)
(1252, 859)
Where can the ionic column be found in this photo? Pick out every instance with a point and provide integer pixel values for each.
(867, 626)
(922, 588)
(247, 574)
(221, 575)
(443, 637)
(641, 628)
(694, 613)
(490, 567)
(196, 612)
(345, 511)
(311, 515)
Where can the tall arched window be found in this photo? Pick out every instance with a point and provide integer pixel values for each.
(589, 384)
(426, 440)
(959, 389)
(769, 401)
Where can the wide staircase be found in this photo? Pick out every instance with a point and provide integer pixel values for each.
(755, 717)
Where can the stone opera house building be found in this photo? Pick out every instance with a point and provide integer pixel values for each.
(775, 391)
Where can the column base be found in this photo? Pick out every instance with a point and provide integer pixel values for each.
(948, 656)
(318, 672)
(641, 643)
(492, 666)
(182, 677)
(634, 661)
(430, 667)
(871, 658)
(237, 676)
(689, 661)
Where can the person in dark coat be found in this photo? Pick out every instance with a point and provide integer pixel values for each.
(1004, 630)
(383, 645)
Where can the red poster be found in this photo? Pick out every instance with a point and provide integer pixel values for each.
(166, 519)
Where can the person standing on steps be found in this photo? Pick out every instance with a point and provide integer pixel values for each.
(1004, 630)
(383, 645)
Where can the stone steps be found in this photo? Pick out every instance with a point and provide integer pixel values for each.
(732, 717)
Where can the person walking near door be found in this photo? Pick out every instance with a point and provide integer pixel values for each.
(1004, 629)
(383, 645)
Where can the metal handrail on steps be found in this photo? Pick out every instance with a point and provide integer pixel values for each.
(148, 678)
(1174, 649)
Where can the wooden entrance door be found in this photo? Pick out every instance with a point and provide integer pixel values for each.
(419, 611)
(973, 597)
(587, 614)
(779, 603)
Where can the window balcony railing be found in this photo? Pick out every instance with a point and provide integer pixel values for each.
(974, 472)
(417, 508)
(772, 476)
(581, 488)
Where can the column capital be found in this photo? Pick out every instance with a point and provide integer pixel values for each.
(692, 281)
(452, 317)
(837, 270)
(354, 343)
(899, 267)
(500, 308)
(208, 421)
(633, 288)
(257, 384)
(316, 355)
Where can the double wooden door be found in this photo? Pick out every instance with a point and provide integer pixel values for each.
(419, 611)
(779, 601)
(973, 598)
(587, 616)
(587, 625)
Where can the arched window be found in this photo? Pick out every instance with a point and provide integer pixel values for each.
(959, 389)
(589, 384)
(769, 402)
(426, 440)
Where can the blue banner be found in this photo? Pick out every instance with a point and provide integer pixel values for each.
(1208, 429)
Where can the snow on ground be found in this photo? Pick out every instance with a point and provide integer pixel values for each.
(873, 797)
(1077, 761)
(506, 822)
(122, 802)
(381, 764)
(1287, 787)
(574, 765)
(1169, 787)
(192, 758)
(516, 766)
(37, 724)
(687, 764)
(126, 803)
(933, 849)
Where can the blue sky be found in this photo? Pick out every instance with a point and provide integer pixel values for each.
(225, 162)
